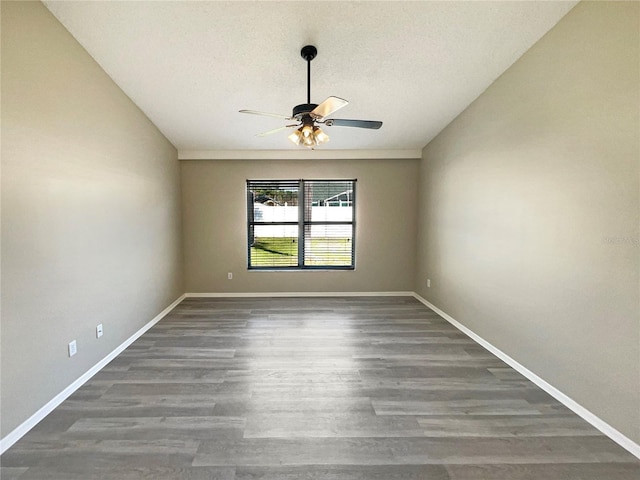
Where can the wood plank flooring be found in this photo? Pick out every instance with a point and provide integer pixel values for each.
(311, 389)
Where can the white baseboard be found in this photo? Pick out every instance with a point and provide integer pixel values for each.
(298, 294)
(33, 420)
(622, 440)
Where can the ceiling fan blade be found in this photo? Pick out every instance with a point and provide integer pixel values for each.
(275, 130)
(337, 122)
(255, 112)
(330, 105)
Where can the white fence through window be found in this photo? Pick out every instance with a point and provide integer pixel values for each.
(287, 213)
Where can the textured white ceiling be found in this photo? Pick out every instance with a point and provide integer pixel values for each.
(190, 66)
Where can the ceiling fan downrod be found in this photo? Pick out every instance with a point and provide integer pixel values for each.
(308, 52)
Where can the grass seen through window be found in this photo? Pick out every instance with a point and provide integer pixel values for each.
(279, 251)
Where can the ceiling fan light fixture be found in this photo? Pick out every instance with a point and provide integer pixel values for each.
(296, 137)
(307, 130)
(309, 141)
(320, 136)
(308, 135)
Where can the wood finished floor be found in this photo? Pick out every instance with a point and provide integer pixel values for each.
(311, 389)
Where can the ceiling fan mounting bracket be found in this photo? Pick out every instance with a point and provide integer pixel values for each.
(309, 52)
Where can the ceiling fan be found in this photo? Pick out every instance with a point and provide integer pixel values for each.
(308, 115)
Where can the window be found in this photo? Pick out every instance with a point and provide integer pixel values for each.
(301, 224)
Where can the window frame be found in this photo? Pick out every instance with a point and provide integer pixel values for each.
(302, 223)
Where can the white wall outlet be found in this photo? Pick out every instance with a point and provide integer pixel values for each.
(230, 276)
(99, 331)
(73, 348)
(428, 283)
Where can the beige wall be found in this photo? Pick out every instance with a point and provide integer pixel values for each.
(215, 225)
(90, 212)
(529, 212)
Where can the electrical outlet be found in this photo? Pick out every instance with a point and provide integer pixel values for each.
(230, 276)
(99, 331)
(73, 348)
(428, 283)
